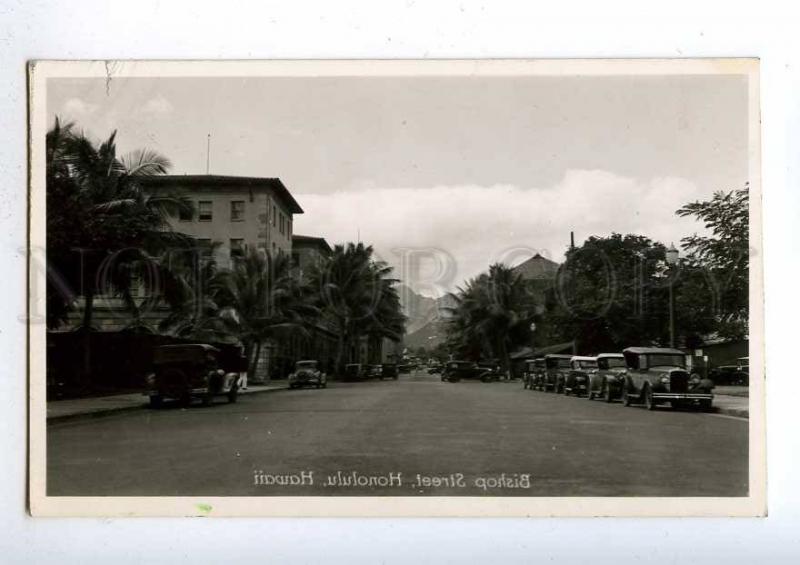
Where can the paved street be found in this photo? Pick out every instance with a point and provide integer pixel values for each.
(412, 436)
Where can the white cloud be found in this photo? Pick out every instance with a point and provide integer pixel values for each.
(157, 106)
(76, 108)
(477, 225)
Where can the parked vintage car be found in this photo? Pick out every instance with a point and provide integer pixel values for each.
(734, 375)
(576, 380)
(533, 374)
(492, 371)
(307, 373)
(556, 369)
(389, 371)
(374, 371)
(199, 370)
(454, 371)
(435, 368)
(607, 382)
(656, 375)
(354, 372)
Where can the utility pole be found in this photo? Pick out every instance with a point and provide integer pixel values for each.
(572, 240)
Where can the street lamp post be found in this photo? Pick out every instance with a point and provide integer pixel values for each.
(672, 259)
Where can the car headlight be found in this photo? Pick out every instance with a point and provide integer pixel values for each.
(664, 380)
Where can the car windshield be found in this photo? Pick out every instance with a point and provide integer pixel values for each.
(666, 360)
(614, 362)
(587, 364)
(552, 363)
(306, 365)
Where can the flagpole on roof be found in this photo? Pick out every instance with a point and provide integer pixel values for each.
(208, 153)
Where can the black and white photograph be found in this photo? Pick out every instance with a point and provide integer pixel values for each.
(383, 288)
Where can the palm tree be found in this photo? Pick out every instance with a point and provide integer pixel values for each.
(260, 301)
(492, 314)
(357, 294)
(188, 286)
(102, 228)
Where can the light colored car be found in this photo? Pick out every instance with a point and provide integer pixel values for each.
(307, 373)
(581, 369)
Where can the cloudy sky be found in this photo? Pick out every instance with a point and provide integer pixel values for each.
(447, 173)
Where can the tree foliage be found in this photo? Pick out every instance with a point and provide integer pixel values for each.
(358, 295)
(724, 255)
(258, 299)
(102, 228)
(493, 314)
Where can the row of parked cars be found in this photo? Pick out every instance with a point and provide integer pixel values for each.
(309, 373)
(454, 371)
(639, 375)
(185, 372)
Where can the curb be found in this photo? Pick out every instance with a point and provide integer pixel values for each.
(737, 412)
(144, 405)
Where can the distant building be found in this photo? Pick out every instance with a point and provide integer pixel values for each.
(537, 268)
(309, 253)
(234, 213)
(540, 274)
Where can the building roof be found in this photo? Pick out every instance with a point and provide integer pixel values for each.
(311, 240)
(224, 181)
(537, 267)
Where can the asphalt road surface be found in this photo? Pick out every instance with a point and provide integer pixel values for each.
(414, 436)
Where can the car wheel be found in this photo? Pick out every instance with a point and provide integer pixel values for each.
(649, 402)
(156, 401)
(626, 397)
(233, 394)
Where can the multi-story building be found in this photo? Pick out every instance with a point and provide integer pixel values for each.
(309, 253)
(234, 213)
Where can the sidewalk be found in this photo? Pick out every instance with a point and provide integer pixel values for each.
(61, 410)
(730, 405)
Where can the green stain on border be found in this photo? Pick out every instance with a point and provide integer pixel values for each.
(204, 508)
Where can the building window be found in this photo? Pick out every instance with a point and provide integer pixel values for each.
(204, 211)
(282, 223)
(237, 210)
(274, 214)
(237, 248)
(295, 258)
